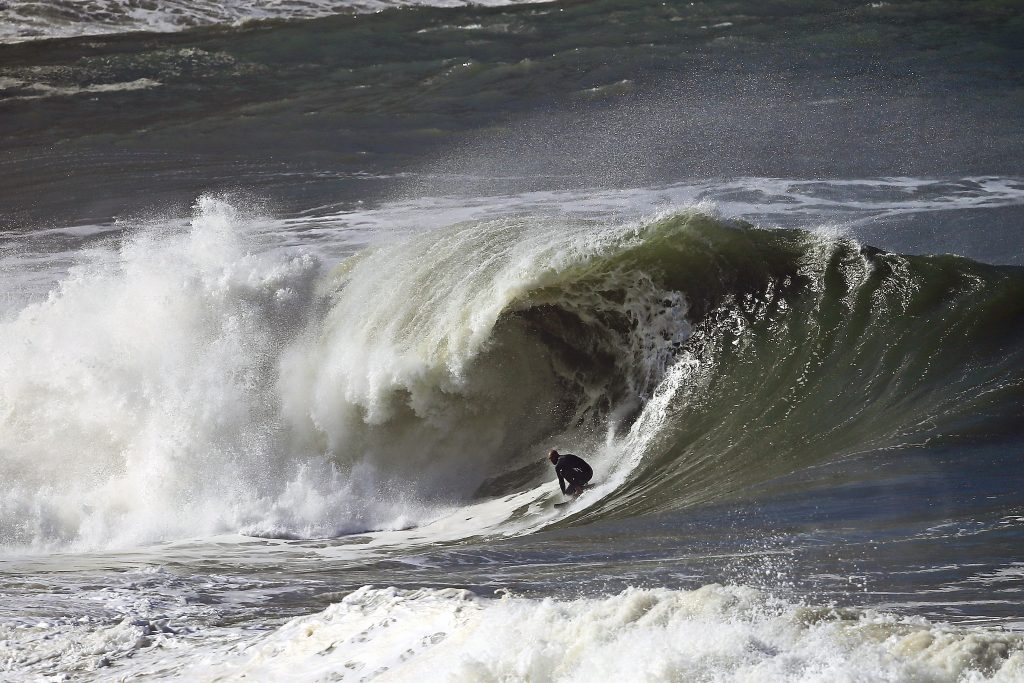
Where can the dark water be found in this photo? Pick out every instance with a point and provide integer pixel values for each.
(602, 92)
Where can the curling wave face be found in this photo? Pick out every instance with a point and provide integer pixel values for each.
(191, 384)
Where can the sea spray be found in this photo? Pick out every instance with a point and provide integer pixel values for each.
(136, 403)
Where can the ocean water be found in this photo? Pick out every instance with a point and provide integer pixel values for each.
(297, 296)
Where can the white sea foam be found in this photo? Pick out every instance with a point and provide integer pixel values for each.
(132, 394)
(714, 633)
(32, 20)
(139, 400)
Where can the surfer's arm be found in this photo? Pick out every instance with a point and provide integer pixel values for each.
(561, 480)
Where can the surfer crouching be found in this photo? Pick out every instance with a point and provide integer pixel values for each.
(572, 469)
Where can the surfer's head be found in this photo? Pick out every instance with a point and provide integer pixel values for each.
(552, 455)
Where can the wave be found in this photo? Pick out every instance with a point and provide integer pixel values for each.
(29, 20)
(711, 633)
(194, 383)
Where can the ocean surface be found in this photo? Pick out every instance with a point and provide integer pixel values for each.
(296, 295)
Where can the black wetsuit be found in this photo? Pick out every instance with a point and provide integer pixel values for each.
(573, 469)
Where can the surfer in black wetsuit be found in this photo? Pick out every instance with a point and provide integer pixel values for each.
(572, 469)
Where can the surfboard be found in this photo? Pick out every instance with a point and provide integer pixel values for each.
(574, 498)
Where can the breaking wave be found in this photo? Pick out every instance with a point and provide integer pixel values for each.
(193, 383)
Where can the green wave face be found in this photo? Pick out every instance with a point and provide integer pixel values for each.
(807, 350)
(707, 356)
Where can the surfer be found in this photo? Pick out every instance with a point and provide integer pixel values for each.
(573, 469)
